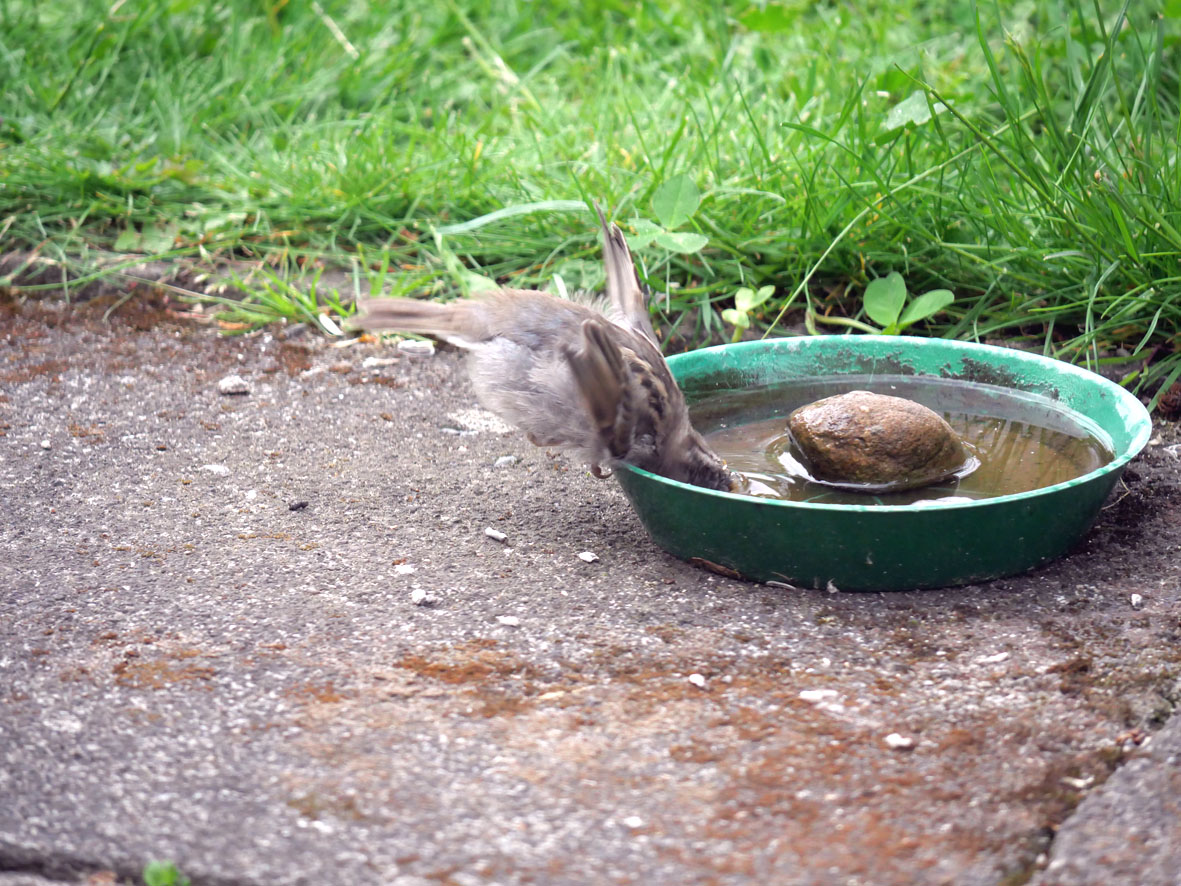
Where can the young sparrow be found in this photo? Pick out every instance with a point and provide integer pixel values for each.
(583, 376)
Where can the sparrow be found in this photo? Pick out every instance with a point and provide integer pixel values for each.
(582, 375)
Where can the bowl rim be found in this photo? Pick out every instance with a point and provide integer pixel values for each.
(1138, 421)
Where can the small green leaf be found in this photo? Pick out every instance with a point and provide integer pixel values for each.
(223, 220)
(884, 298)
(745, 299)
(127, 241)
(474, 282)
(764, 293)
(926, 305)
(163, 873)
(678, 241)
(736, 317)
(911, 111)
(645, 232)
(159, 237)
(675, 201)
(774, 18)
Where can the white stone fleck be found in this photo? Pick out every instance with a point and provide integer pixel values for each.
(480, 421)
(404, 569)
(899, 742)
(509, 621)
(1137, 601)
(817, 695)
(697, 680)
(633, 822)
(216, 470)
(993, 659)
(233, 384)
(421, 597)
(495, 534)
(63, 723)
(588, 556)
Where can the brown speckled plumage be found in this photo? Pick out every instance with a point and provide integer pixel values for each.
(584, 376)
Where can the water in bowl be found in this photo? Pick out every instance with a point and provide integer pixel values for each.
(1023, 441)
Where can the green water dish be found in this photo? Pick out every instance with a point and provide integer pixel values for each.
(854, 547)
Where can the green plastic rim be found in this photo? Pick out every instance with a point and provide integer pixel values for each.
(887, 547)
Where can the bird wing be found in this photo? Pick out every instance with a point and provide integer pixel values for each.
(602, 379)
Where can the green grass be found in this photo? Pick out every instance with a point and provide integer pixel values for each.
(1044, 191)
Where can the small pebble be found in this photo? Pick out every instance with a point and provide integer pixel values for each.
(505, 461)
(633, 822)
(416, 348)
(404, 569)
(815, 695)
(45, 444)
(295, 330)
(992, 659)
(1137, 601)
(374, 362)
(233, 385)
(588, 556)
(495, 534)
(509, 621)
(899, 742)
(217, 470)
(420, 597)
(697, 680)
(297, 506)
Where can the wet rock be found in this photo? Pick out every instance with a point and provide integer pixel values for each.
(875, 441)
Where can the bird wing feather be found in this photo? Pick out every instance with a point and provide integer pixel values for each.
(623, 285)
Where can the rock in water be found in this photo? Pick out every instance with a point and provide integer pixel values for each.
(875, 442)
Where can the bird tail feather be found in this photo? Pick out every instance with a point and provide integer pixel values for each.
(412, 315)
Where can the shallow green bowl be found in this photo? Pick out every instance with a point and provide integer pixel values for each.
(885, 548)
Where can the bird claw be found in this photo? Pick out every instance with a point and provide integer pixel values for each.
(599, 473)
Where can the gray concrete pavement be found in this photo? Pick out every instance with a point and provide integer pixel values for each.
(191, 669)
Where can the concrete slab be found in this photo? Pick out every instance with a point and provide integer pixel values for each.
(197, 666)
(1128, 831)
